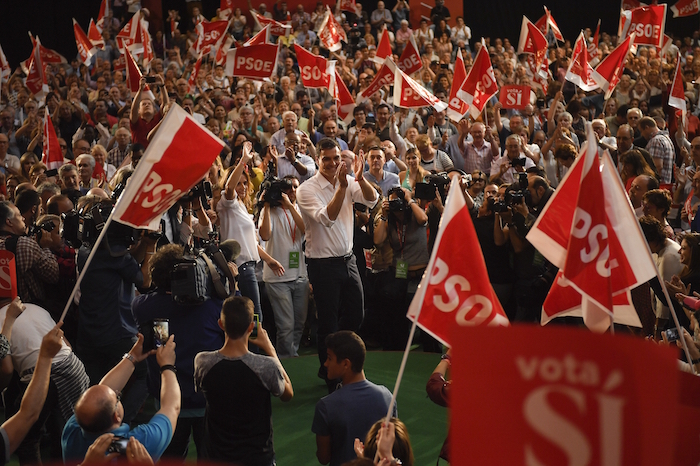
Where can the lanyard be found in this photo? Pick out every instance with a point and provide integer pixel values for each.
(402, 236)
(292, 229)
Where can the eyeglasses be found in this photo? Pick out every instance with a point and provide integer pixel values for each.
(476, 180)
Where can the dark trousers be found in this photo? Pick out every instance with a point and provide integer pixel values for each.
(179, 445)
(338, 294)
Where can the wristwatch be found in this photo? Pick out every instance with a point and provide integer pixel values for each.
(130, 357)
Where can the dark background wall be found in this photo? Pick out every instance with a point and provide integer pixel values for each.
(51, 19)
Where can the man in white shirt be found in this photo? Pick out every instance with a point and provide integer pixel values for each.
(515, 161)
(291, 162)
(326, 204)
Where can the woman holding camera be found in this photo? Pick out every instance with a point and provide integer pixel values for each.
(404, 223)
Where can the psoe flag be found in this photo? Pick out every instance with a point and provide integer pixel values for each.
(176, 159)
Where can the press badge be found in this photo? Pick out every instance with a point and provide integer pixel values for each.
(294, 259)
(401, 269)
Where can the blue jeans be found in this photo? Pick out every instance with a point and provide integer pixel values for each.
(248, 284)
(290, 301)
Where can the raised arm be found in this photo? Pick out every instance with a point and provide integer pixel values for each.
(169, 387)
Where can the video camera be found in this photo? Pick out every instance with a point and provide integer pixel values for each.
(399, 204)
(514, 195)
(271, 188)
(83, 227)
(38, 230)
(426, 189)
(202, 190)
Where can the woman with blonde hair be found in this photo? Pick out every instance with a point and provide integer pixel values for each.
(415, 173)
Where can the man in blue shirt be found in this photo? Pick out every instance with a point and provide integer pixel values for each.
(100, 411)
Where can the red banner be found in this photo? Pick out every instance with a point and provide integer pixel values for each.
(104, 11)
(455, 292)
(686, 8)
(410, 60)
(676, 97)
(208, 35)
(384, 77)
(457, 108)
(52, 156)
(647, 23)
(609, 71)
(120, 64)
(580, 71)
(226, 9)
(95, 36)
(331, 33)
(313, 69)
(480, 84)
(128, 36)
(192, 81)
(384, 47)
(345, 104)
(8, 275)
(276, 28)
(177, 158)
(555, 396)
(532, 41)
(515, 97)
(348, 5)
(262, 37)
(254, 62)
(409, 94)
(85, 49)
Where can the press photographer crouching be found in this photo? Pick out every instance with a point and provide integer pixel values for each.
(186, 303)
(106, 327)
(404, 222)
(35, 263)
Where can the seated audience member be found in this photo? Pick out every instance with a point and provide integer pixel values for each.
(337, 420)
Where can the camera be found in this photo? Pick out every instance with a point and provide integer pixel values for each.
(37, 230)
(271, 191)
(399, 204)
(519, 162)
(84, 227)
(150, 79)
(118, 445)
(202, 190)
(517, 192)
(497, 205)
(672, 334)
(426, 190)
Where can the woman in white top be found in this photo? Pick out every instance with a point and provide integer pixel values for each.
(424, 35)
(236, 223)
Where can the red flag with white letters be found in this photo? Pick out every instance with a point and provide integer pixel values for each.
(456, 107)
(192, 81)
(515, 96)
(85, 48)
(177, 158)
(593, 47)
(145, 40)
(51, 156)
(409, 94)
(532, 41)
(36, 76)
(455, 289)
(226, 9)
(684, 8)
(128, 36)
(209, 35)
(546, 23)
(609, 71)
(647, 23)
(348, 5)
(384, 47)
(104, 11)
(330, 33)
(480, 84)
(676, 97)
(312, 68)
(8, 275)
(254, 62)
(410, 60)
(262, 37)
(95, 36)
(276, 28)
(384, 77)
(580, 71)
(345, 104)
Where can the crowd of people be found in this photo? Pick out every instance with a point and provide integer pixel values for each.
(307, 229)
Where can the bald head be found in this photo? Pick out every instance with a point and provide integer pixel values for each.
(99, 410)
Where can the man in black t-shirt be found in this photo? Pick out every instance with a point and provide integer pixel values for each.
(237, 385)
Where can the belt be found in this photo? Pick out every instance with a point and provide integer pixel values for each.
(332, 259)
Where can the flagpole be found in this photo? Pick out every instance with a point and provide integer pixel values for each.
(85, 267)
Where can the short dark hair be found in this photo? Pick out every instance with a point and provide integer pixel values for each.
(382, 105)
(622, 110)
(653, 229)
(6, 213)
(27, 199)
(659, 198)
(647, 122)
(358, 109)
(237, 314)
(327, 143)
(348, 345)
(162, 264)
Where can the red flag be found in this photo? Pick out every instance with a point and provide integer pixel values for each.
(104, 11)
(95, 36)
(532, 41)
(546, 23)
(676, 97)
(331, 33)
(515, 97)
(254, 62)
(262, 37)
(384, 77)
(348, 5)
(409, 94)
(8, 275)
(665, 46)
(52, 156)
(686, 8)
(127, 37)
(133, 75)
(226, 9)
(145, 39)
(593, 47)
(647, 23)
(313, 69)
(580, 71)
(384, 47)
(192, 81)
(345, 104)
(455, 289)
(36, 76)
(173, 26)
(541, 75)
(120, 63)
(609, 71)
(457, 108)
(85, 49)
(276, 28)
(410, 60)
(208, 35)
(631, 4)
(601, 251)
(177, 158)
(5, 69)
(223, 49)
(480, 84)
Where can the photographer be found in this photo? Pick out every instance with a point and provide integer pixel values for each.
(35, 263)
(282, 227)
(515, 161)
(199, 321)
(404, 222)
(292, 162)
(106, 327)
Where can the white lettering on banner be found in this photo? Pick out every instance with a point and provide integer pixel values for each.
(409, 62)
(652, 31)
(250, 64)
(440, 275)
(553, 370)
(161, 195)
(484, 83)
(514, 97)
(5, 280)
(81, 50)
(456, 102)
(582, 228)
(408, 93)
(311, 72)
(211, 36)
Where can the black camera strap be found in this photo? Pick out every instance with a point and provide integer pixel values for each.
(216, 278)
